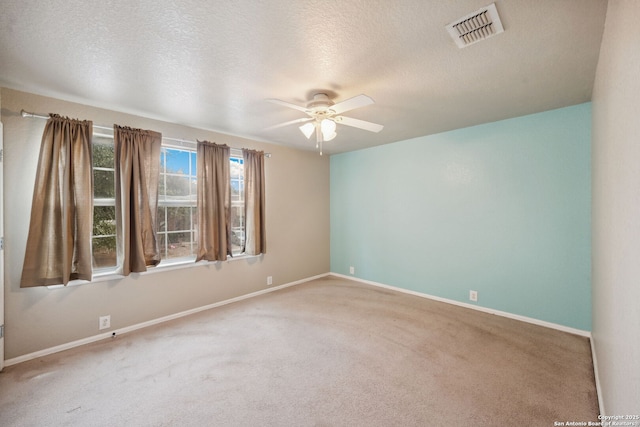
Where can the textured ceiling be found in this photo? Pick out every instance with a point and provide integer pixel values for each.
(213, 64)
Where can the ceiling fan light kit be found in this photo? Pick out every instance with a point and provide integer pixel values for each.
(307, 129)
(323, 116)
(328, 129)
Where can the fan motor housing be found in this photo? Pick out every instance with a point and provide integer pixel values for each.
(319, 105)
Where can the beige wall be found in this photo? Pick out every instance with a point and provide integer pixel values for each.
(616, 210)
(297, 187)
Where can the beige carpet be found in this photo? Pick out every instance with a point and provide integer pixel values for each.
(326, 353)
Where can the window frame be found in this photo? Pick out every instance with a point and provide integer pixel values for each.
(172, 262)
(102, 201)
(237, 157)
(165, 203)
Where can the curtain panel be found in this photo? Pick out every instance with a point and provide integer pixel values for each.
(254, 202)
(137, 166)
(59, 240)
(214, 201)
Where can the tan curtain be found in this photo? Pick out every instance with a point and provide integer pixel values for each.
(59, 241)
(214, 202)
(137, 158)
(254, 198)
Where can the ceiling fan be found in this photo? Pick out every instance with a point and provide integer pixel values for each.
(324, 114)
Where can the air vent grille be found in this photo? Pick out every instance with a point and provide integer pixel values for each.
(475, 27)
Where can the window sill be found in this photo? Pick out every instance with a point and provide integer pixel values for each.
(106, 275)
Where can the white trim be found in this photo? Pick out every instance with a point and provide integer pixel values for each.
(190, 262)
(1, 246)
(109, 334)
(597, 376)
(94, 338)
(475, 307)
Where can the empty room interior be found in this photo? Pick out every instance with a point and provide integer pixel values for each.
(320, 213)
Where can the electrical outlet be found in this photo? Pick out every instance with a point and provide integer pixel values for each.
(104, 322)
(269, 280)
(473, 295)
(352, 270)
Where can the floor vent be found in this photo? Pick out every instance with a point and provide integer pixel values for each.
(476, 26)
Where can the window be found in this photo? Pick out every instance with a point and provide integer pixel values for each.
(236, 170)
(177, 214)
(103, 240)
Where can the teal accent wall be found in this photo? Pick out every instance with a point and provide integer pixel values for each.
(501, 208)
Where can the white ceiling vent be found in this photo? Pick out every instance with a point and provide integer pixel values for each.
(476, 26)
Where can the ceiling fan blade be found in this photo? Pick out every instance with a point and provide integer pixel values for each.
(290, 122)
(360, 124)
(351, 103)
(287, 104)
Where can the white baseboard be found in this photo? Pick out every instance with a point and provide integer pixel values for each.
(556, 326)
(474, 307)
(597, 376)
(126, 329)
(109, 334)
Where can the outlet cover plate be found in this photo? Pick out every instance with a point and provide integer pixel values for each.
(473, 295)
(104, 322)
